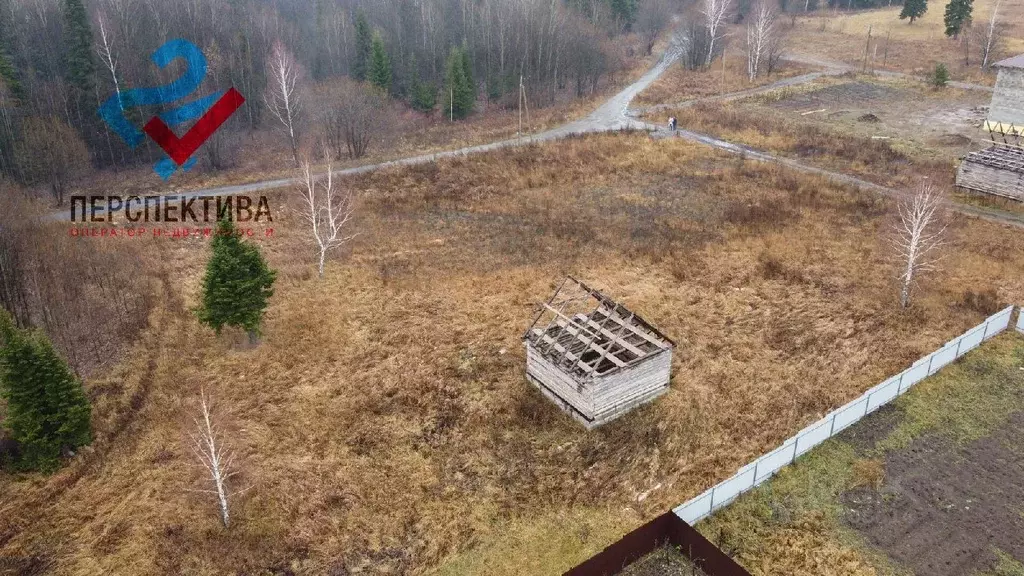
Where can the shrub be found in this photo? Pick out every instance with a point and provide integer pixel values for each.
(940, 76)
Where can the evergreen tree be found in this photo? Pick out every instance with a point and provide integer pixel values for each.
(624, 11)
(458, 92)
(422, 95)
(236, 285)
(78, 49)
(380, 64)
(467, 71)
(8, 73)
(47, 410)
(364, 46)
(958, 13)
(913, 9)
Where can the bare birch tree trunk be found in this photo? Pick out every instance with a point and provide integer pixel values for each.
(281, 97)
(918, 236)
(328, 209)
(208, 446)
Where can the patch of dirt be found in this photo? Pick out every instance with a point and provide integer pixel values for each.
(872, 428)
(869, 117)
(665, 561)
(857, 94)
(944, 509)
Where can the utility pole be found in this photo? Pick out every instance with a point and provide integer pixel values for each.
(520, 132)
(451, 105)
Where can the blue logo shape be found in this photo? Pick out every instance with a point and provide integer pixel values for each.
(112, 111)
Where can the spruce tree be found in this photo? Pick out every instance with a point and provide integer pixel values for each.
(8, 73)
(47, 410)
(364, 46)
(380, 64)
(422, 95)
(913, 9)
(458, 90)
(236, 285)
(958, 13)
(467, 71)
(78, 48)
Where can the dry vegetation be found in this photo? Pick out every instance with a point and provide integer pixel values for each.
(678, 84)
(892, 162)
(384, 422)
(912, 48)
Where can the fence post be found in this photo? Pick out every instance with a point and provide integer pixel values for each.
(832, 427)
(985, 333)
(928, 372)
(756, 464)
(867, 405)
(958, 342)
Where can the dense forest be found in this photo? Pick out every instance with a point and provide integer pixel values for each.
(59, 59)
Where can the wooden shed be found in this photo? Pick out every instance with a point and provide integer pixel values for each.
(999, 169)
(593, 357)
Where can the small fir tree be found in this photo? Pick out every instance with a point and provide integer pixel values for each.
(236, 285)
(940, 76)
(913, 9)
(47, 410)
(364, 45)
(380, 64)
(958, 13)
(458, 90)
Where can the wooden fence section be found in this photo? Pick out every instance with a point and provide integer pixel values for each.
(668, 528)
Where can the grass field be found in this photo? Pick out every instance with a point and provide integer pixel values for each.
(384, 423)
(903, 47)
(927, 485)
(895, 133)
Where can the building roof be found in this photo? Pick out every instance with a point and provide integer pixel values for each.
(586, 333)
(1015, 62)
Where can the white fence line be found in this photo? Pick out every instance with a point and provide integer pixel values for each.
(766, 466)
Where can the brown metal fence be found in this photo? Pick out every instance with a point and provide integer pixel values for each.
(665, 529)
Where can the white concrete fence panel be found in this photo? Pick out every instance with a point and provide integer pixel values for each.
(841, 418)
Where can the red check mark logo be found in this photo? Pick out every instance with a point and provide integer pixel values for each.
(180, 149)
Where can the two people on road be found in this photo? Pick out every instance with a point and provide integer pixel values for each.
(672, 123)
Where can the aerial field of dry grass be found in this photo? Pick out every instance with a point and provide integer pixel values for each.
(384, 424)
(892, 132)
(899, 46)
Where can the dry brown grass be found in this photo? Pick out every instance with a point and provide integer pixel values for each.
(887, 162)
(678, 84)
(912, 48)
(384, 422)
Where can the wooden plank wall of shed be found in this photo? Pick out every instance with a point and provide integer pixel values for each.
(648, 377)
(573, 392)
(990, 179)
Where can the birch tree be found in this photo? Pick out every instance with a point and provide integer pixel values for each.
(715, 12)
(990, 40)
(918, 236)
(207, 444)
(106, 54)
(281, 96)
(328, 209)
(760, 36)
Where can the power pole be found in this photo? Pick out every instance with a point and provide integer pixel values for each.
(520, 132)
(451, 105)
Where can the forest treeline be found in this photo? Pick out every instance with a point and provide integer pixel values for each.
(59, 59)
